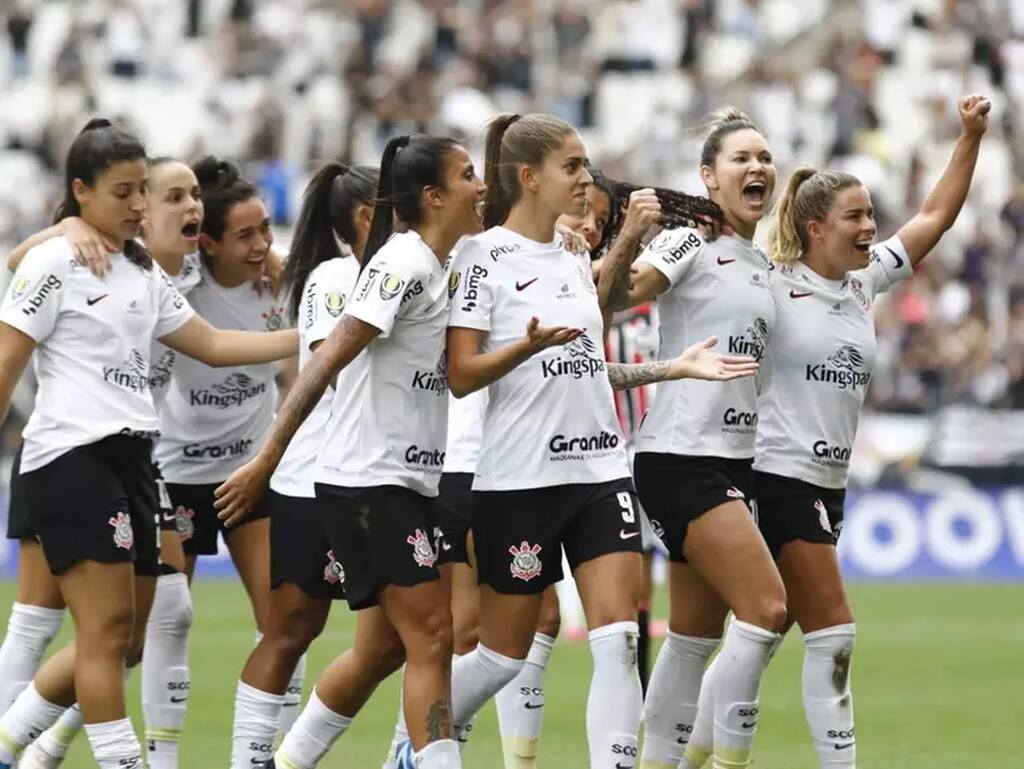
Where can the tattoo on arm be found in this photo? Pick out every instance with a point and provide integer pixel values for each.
(624, 376)
(439, 721)
(337, 350)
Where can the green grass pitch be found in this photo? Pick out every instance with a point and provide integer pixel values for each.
(937, 683)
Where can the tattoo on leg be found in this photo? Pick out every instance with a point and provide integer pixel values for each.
(439, 721)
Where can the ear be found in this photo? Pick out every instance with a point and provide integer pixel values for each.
(529, 178)
(707, 175)
(209, 245)
(80, 190)
(433, 196)
(815, 232)
(363, 218)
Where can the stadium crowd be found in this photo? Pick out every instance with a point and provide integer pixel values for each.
(282, 84)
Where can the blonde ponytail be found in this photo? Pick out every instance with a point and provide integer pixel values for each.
(808, 196)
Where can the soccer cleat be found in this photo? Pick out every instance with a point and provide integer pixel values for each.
(404, 756)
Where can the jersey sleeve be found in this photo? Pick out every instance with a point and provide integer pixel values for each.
(672, 252)
(474, 290)
(377, 298)
(889, 265)
(173, 311)
(34, 299)
(323, 301)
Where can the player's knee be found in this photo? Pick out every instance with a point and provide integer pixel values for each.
(465, 637)
(550, 622)
(434, 641)
(384, 658)
(770, 612)
(110, 634)
(293, 633)
(172, 607)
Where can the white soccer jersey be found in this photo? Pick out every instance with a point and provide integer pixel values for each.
(390, 411)
(327, 292)
(465, 430)
(718, 289)
(551, 420)
(214, 420)
(161, 356)
(820, 357)
(93, 339)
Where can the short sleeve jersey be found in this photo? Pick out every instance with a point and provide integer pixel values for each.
(93, 338)
(390, 410)
(719, 288)
(551, 420)
(213, 420)
(821, 357)
(161, 356)
(465, 430)
(327, 292)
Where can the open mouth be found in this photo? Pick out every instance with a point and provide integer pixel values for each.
(754, 193)
(864, 246)
(191, 230)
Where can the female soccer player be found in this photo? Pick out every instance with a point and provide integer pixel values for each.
(828, 276)
(87, 475)
(321, 271)
(573, 491)
(694, 453)
(383, 452)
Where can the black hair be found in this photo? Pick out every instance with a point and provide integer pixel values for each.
(221, 186)
(677, 209)
(328, 208)
(99, 146)
(611, 227)
(409, 164)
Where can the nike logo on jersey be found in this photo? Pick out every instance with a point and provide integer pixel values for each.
(899, 260)
(799, 294)
(725, 261)
(525, 285)
(93, 299)
(623, 534)
(170, 515)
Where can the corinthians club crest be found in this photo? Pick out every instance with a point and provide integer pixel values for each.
(525, 563)
(124, 537)
(334, 573)
(183, 522)
(422, 552)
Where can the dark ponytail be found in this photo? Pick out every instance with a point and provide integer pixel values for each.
(99, 146)
(328, 208)
(221, 186)
(407, 166)
(498, 202)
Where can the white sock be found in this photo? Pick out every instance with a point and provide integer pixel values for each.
(672, 694)
(442, 754)
(292, 698)
(316, 729)
(24, 721)
(401, 734)
(114, 745)
(828, 702)
(702, 739)
(521, 707)
(476, 677)
(256, 719)
(56, 740)
(744, 654)
(615, 704)
(29, 631)
(165, 672)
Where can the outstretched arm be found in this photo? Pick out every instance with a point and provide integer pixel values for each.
(222, 347)
(940, 209)
(470, 370)
(696, 362)
(237, 495)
